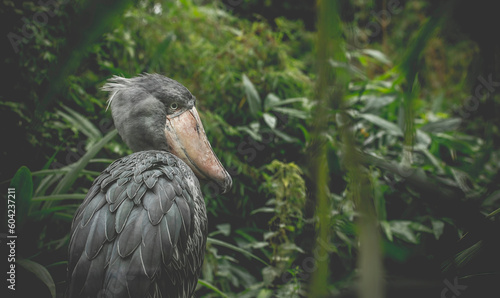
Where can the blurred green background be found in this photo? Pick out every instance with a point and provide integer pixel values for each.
(362, 136)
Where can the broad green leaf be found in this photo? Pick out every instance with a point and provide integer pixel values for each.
(23, 193)
(271, 234)
(270, 120)
(422, 140)
(252, 96)
(373, 102)
(349, 67)
(390, 127)
(225, 229)
(450, 124)
(456, 143)
(378, 55)
(254, 134)
(302, 100)
(292, 112)
(263, 209)
(420, 227)
(284, 136)
(402, 230)
(258, 245)
(268, 274)
(386, 227)
(39, 271)
(437, 228)
(292, 246)
(271, 101)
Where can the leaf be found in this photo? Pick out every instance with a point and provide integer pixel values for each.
(23, 185)
(420, 227)
(422, 140)
(454, 142)
(257, 245)
(268, 275)
(307, 136)
(401, 229)
(390, 127)
(271, 101)
(437, 228)
(450, 124)
(225, 229)
(349, 67)
(208, 285)
(265, 293)
(302, 100)
(386, 227)
(378, 55)
(81, 123)
(373, 102)
(64, 185)
(252, 96)
(39, 271)
(270, 120)
(235, 248)
(292, 112)
(378, 195)
(284, 136)
(263, 209)
(492, 199)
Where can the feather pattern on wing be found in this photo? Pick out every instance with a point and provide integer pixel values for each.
(140, 232)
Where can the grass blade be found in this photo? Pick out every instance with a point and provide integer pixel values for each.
(208, 285)
(252, 96)
(70, 178)
(41, 272)
(235, 248)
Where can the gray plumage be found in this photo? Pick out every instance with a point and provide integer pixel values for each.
(141, 230)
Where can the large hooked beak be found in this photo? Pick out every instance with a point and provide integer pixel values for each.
(188, 141)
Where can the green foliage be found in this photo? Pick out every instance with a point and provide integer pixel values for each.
(48, 198)
(288, 189)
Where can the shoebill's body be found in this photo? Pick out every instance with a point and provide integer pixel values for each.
(141, 230)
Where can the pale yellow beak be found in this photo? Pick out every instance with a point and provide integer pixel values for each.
(188, 141)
